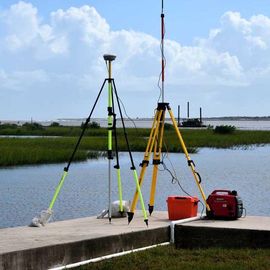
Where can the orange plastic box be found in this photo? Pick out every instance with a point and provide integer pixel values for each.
(180, 207)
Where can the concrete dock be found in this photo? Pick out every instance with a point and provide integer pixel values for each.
(65, 242)
(249, 232)
(70, 241)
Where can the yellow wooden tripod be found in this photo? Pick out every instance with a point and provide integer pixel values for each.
(154, 146)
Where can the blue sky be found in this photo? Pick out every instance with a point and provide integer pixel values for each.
(217, 56)
(185, 19)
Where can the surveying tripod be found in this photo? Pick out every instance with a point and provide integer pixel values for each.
(155, 140)
(112, 132)
(154, 146)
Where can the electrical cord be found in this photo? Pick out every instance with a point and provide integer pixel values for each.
(165, 63)
(203, 207)
(128, 117)
(175, 179)
(245, 212)
(158, 84)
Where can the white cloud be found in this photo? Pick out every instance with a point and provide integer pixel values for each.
(247, 39)
(63, 57)
(21, 25)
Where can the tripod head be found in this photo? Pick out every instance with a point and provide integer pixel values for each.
(109, 57)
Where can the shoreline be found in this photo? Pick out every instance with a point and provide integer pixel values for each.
(52, 149)
(238, 122)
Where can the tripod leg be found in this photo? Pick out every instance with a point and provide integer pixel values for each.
(120, 191)
(45, 216)
(148, 151)
(138, 188)
(156, 162)
(58, 189)
(62, 180)
(190, 161)
(154, 180)
(133, 168)
(117, 166)
(109, 191)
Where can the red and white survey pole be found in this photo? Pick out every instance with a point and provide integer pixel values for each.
(162, 52)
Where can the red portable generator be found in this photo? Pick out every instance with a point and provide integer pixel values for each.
(224, 204)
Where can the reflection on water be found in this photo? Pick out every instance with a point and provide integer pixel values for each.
(24, 191)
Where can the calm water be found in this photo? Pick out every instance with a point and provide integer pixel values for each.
(147, 123)
(140, 123)
(244, 124)
(24, 191)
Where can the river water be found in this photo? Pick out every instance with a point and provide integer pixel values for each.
(26, 190)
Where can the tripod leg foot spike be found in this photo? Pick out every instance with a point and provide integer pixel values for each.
(146, 222)
(150, 209)
(130, 216)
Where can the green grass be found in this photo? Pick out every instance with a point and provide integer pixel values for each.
(169, 258)
(193, 137)
(19, 151)
(207, 138)
(42, 150)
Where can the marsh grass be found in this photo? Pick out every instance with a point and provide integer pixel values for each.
(41, 151)
(169, 258)
(19, 151)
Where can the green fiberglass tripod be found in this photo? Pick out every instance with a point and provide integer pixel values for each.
(45, 215)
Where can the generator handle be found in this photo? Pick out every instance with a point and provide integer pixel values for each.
(221, 191)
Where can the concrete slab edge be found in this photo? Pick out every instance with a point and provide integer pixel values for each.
(181, 221)
(68, 253)
(188, 236)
